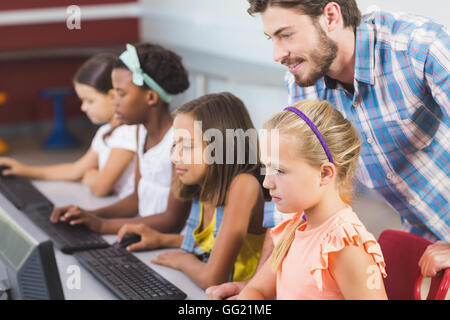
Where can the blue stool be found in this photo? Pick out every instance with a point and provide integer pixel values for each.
(60, 137)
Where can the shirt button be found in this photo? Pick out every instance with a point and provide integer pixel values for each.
(389, 176)
(433, 221)
(412, 202)
(369, 140)
(354, 104)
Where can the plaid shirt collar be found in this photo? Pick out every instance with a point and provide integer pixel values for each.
(364, 57)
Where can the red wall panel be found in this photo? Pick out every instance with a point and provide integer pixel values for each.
(23, 80)
(38, 4)
(57, 35)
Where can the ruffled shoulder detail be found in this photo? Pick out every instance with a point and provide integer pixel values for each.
(346, 234)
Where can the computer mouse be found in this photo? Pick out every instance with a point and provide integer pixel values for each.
(127, 240)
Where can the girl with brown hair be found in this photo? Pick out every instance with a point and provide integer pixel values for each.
(215, 154)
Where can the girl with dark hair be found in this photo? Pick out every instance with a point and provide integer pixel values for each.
(144, 78)
(107, 166)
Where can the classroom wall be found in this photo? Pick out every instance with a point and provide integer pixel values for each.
(23, 81)
(39, 51)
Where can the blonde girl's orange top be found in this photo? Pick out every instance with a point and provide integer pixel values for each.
(304, 272)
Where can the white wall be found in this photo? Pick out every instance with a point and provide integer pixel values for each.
(221, 27)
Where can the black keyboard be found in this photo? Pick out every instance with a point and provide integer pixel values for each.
(67, 238)
(25, 197)
(127, 276)
(22, 193)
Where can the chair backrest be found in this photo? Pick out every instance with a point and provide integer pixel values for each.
(402, 252)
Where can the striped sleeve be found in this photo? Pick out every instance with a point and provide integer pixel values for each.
(434, 57)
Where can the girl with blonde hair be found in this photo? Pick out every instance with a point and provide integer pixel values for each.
(322, 251)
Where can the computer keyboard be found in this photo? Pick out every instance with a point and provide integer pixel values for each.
(127, 276)
(122, 272)
(38, 208)
(21, 192)
(67, 238)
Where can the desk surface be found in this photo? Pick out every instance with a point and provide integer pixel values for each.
(65, 193)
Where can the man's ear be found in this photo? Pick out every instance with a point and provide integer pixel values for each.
(152, 97)
(327, 173)
(332, 16)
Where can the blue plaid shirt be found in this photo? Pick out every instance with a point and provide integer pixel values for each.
(400, 106)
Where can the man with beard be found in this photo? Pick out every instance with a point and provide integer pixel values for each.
(389, 75)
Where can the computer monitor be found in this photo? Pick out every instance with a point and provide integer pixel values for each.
(30, 264)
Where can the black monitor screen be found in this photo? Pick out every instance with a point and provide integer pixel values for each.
(30, 265)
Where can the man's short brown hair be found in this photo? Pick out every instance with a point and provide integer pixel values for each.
(313, 8)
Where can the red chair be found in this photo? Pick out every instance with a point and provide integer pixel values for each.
(402, 252)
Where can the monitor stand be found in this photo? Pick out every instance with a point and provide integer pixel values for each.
(4, 283)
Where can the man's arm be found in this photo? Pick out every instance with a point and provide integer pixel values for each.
(436, 62)
(435, 258)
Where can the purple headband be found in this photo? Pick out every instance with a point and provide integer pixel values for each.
(313, 128)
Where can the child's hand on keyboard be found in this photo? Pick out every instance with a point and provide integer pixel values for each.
(150, 238)
(12, 167)
(59, 212)
(75, 215)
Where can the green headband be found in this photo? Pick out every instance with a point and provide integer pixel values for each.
(131, 60)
